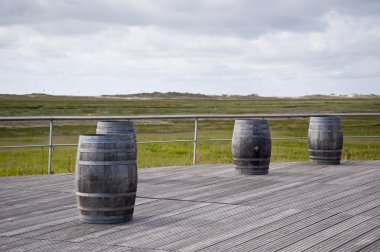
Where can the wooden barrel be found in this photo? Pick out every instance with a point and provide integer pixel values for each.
(106, 178)
(116, 128)
(325, 139)
(251, 147)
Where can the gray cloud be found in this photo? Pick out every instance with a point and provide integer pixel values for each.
(247, 18)
(216, 46)
(244, 17)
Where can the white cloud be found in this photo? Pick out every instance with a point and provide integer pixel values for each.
(291, 48)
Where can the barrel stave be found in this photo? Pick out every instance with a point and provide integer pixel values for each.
(251, 147)
(106, 178)
(325, 140)
(125, 128)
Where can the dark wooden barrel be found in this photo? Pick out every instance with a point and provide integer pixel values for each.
(117, 128)
(325, 140)
(251, 147)
(106, 178)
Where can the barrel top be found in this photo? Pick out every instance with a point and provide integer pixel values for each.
(104, 137)
(325, 116)
(251, 121)
(89, 135)
(117, 122)
(325, 119)
(115, 125)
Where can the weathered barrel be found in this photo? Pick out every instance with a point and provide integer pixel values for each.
(251, 147)
(325, 139)
(116, 128)
(106, 178)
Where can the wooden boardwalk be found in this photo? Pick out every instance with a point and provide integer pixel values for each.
(297, 207)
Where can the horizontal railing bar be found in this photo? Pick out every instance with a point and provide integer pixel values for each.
(23, 146)
(167, 141)
(199, 116)
(35, 146)
(175, 141)
(361, 136)
(213, 140)
(285, 138)
(289, 138)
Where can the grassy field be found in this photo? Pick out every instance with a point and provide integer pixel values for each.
(34, 160)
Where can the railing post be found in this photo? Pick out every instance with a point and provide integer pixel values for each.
(195, 141)
(50, 146)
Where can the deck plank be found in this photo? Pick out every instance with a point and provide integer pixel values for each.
(296, 207)
(362, 241)
(334, 241)
(297, 219)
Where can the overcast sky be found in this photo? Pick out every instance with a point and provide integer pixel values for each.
(272, 47)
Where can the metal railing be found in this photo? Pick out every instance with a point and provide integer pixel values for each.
(195, 140)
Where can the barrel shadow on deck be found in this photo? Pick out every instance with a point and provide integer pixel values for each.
(297, 207)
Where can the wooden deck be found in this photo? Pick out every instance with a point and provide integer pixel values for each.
(297, 207)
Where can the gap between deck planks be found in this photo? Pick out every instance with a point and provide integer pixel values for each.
(297, 207)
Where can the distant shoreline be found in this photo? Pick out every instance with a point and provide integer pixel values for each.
(175, 95)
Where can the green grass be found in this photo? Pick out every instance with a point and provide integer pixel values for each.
(34, 160)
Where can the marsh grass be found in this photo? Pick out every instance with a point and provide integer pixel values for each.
(23, 161)
(34, 160)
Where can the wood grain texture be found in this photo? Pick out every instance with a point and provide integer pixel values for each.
(251, 147)
(325, 140)
(296, 207)
(106, 178)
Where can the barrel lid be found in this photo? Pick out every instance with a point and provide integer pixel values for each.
(117, 122)
(252, 121)
(105, 137)
(327, 118)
